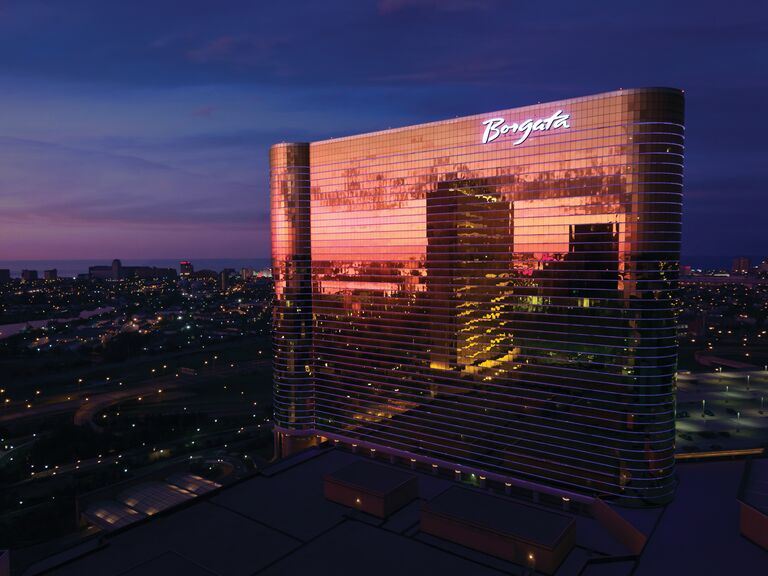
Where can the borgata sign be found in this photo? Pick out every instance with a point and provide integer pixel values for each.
(495, 127)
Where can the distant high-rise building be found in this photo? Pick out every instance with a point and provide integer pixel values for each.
(186, 269)
(29, 275)
(741, 265)
(247, 273)
(52, 274)
(112, 272)
(224, 280)
(492, 295)
(5, 275)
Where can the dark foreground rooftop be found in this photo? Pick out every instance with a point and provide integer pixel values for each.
(279, 523)
(503, 515)
(754, 486)
(374, 477)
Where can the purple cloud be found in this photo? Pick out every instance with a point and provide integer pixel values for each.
(392, 6)
(205, 111)
(239, 49)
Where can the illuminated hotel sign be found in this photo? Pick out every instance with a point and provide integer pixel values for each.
(495, 127)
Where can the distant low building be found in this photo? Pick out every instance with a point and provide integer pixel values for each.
(29, 275)
(52, 274)
(119, 272)
(149, 272)
(205, 275)
(741, 265)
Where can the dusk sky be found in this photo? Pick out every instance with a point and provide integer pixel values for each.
(141, 129)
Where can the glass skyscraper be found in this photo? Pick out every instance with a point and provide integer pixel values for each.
(492, 294)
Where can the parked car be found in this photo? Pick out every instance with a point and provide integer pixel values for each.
(682, 414)
(709, 412)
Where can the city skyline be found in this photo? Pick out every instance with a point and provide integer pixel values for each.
(155, 143)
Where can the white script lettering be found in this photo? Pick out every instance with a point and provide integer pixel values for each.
(495, 127)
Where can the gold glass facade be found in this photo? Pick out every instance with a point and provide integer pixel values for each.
(500, 302)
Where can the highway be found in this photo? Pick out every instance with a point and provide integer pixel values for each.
(104, 394)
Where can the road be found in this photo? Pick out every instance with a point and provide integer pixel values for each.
(106, 394)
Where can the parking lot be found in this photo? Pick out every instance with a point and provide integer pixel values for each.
(722, 411)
